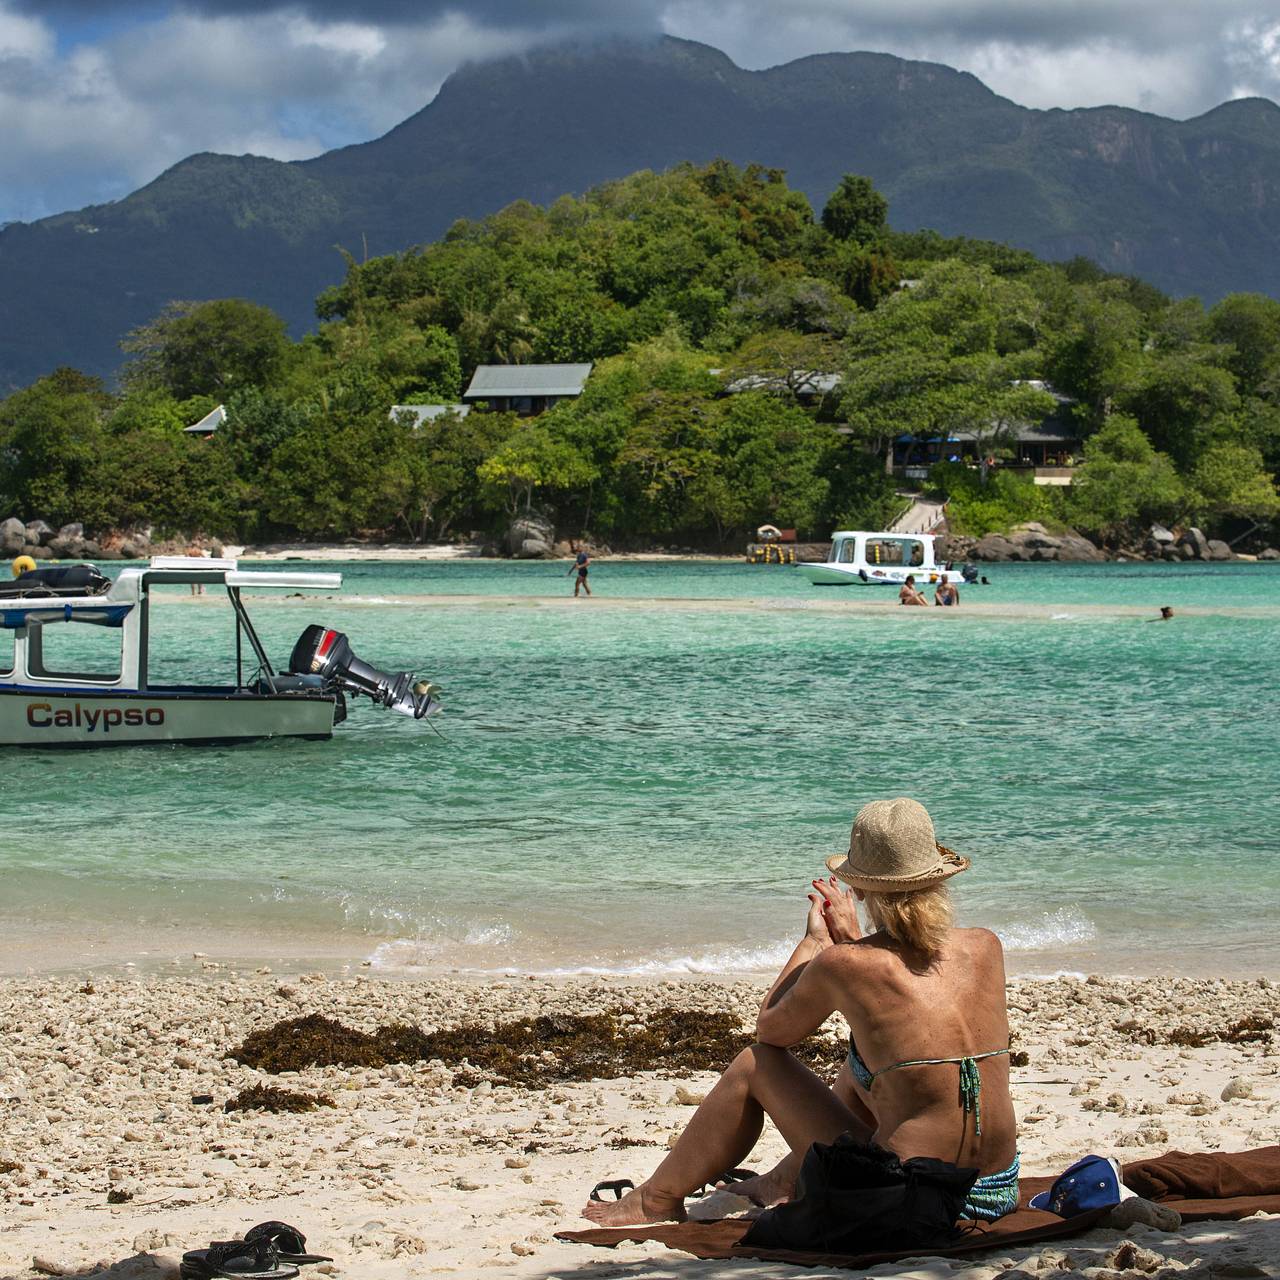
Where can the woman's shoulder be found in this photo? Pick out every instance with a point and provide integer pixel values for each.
(979, 937)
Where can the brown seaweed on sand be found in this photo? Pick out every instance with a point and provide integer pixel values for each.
(1249, 1030)
(529, 1052)
(266, 1097)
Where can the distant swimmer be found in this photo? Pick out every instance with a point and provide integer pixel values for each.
(947, 593)
(581, 564)
(1165, 614)
(909, 594)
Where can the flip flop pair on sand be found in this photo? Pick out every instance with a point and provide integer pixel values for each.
(269, 1251)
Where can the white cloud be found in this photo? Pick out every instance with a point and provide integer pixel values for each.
(22, 37)
(1175, 57)
(347, 39)
(96, 121)
(93, 121)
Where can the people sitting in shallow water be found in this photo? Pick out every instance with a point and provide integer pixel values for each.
(928, 1069)
(909, 594)
(947, 593)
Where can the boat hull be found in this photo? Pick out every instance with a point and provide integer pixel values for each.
(827, 574)
(48, 718)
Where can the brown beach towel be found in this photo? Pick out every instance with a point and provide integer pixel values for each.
(1024, 1226)
(1206, 1175)
(1210, 1184)
(720, 1239)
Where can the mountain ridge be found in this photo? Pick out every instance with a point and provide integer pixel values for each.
(1192, 205)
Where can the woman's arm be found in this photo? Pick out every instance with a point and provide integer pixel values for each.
(792, 1001)
(801, 1000)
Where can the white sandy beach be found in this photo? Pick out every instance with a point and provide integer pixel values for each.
(408, 551)
(408, 1175)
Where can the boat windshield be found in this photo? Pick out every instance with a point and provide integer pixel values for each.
(55, 651)
(907, 552)
(848, 550)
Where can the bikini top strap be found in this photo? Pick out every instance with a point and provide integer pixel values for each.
(937, 1062)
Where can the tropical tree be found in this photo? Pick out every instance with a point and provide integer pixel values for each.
(1231, 480)
(206, 348)
(855, 210)
(532, 462)
(1123, 480)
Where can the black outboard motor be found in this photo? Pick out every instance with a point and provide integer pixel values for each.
(970, 573)
(327, 654)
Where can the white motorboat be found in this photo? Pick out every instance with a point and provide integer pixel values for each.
(56, 692)
(862, 559)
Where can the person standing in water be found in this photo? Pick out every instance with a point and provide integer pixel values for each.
(581, 564)
(197, 552)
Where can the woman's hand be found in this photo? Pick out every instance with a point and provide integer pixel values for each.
(839, 911)
(816, 926)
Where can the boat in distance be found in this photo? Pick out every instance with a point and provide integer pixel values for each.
(859, 558)
(57, 691)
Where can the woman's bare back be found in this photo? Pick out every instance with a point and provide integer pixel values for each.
(954, 1007)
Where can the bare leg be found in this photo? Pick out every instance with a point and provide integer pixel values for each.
(780, 1182)
(760, 1080)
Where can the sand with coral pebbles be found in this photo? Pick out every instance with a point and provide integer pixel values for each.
(411, 1174)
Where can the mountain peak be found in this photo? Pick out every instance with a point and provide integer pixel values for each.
(1192, 205)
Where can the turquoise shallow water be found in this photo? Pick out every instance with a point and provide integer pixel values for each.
(649, 787)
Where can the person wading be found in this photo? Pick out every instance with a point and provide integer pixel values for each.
(581, 564)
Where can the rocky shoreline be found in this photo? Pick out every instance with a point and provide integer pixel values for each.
(532, 537)
(1033, 542)
(40, 541)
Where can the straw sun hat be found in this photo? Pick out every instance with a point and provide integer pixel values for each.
(892, 850)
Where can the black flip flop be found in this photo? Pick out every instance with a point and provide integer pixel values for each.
(290, 1244)
(235, 1260)
(618, 1186)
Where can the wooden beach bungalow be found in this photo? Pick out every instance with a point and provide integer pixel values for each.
(1046, 451)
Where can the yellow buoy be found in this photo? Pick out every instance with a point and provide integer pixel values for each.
(23, 564)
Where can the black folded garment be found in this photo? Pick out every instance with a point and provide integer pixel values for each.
(854, 1197)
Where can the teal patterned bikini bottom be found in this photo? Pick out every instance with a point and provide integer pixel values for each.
(993, 1196)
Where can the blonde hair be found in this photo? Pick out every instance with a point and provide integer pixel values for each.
(920, 920)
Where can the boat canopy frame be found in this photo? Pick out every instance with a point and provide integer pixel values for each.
(127, 606)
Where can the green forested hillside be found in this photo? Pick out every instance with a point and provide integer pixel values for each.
(677, 286)
(1193, 206)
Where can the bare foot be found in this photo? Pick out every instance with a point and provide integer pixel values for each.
(636, 1208)
(767, 1189)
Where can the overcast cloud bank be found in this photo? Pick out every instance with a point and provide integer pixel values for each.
(97, 98)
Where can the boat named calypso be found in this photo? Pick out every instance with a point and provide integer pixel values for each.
(44, 715)
(80, 674)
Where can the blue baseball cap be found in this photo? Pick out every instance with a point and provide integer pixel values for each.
(1091, 1183)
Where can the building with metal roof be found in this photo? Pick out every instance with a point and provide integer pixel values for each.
(208, 424)
(421, 413)
(526, 388)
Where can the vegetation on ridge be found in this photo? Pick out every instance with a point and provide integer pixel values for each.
(677, 286)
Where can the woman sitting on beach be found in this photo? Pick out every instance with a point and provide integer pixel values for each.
(928, 1067)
